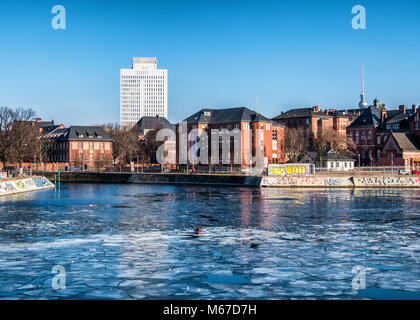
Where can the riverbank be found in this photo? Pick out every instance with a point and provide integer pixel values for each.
(21, 185)
(321, 181)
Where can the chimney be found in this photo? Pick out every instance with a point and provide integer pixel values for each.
(316, 108)
(157, 116)
(383, 114)
(414, 108)
(402, 108)
(52, 121)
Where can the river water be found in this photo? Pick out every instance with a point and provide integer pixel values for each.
(201, 242)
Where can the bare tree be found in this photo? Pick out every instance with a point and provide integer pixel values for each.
(125, 146)
(327, 140)
(295, 143)
(148, 146)
(6, 123)
(24, 137)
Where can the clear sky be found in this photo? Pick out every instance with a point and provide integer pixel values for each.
(218, 54)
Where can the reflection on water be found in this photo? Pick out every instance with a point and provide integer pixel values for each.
(156, 242)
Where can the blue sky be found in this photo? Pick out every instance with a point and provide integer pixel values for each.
(218, 53)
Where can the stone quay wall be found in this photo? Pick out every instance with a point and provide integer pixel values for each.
(242, 180)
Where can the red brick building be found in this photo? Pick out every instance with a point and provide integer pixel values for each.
(255, 131)
(363, 132)
(84, 147)
(386, 137)
(315, 120)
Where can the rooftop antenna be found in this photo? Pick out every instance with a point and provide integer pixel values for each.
(363, 104)
(257, 104)
(363, 79)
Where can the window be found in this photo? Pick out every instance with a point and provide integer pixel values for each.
(357, 137)
(274, 147)
(378, 140)
(378, 154)
(307, 121)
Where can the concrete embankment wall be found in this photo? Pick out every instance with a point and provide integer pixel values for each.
(242, 180)
(20, 185)
(157, 178)
(342, 182)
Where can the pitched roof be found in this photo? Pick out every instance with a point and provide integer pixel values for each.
(402, 118)
(301, 112)
(406, 141)
(226, 115)
(371, 117)
(151, 123)
(335, 155)
(81, 133)
(311, 112)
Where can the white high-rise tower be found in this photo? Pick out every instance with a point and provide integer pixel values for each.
(143, 91)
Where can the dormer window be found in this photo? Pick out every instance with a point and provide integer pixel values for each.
(207, 113)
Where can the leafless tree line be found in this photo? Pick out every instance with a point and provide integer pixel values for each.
(18, 138)
(127, 146)
(298, 141)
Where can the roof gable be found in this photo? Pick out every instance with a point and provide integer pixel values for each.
(371, 117)
(226, 115)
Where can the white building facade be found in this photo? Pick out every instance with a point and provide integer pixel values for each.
(143, 91)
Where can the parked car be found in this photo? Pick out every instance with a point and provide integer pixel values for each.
(404, 172)
(416, 172)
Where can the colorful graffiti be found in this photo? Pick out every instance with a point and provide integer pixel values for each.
(305, 182)
(23, 185)
(386, 181)
(7, 187)
(289, 169)
(41, 182)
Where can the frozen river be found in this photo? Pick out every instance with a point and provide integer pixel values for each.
(199, 242)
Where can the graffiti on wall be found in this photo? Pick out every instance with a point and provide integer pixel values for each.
(386, 181)
(290, 169)
(22, 185)
(7, 187)
(306, 182)
(41, 182)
